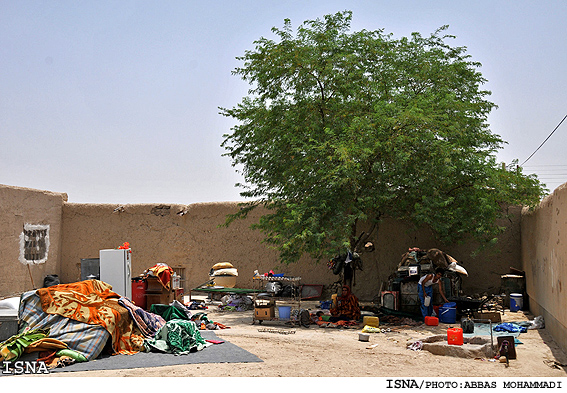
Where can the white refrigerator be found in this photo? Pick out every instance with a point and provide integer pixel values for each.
(116, 270)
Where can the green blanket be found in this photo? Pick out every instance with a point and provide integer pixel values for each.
(178, 337)
(15, 346)
(168, 312)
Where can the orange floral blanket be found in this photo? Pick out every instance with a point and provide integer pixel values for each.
(93, 302)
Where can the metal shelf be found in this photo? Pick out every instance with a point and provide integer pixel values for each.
(294, 300)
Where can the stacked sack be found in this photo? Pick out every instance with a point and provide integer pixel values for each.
(224, 274)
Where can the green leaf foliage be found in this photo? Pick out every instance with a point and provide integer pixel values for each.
(342, 126)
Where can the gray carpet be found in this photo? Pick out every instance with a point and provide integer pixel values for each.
(216, 353)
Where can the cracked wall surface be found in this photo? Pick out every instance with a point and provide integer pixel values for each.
(544, 258)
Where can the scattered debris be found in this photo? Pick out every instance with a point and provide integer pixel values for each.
(416, 346)
(280, 331)
(397, 320)
(555, 364)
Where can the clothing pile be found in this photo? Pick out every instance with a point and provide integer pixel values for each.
(76, 322)
(338, 324)
(163, 272)
(236, 302)
(178, 311)
(434, 256)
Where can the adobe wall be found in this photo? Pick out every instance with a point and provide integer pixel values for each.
(157, 233)
(544, 251)
(194, 241)
(18, 207)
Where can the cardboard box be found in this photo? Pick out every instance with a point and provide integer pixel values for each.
(158, 298)
(493, 316)
(178, 294)
(264, 312)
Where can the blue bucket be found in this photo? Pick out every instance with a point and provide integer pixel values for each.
(516, 302)
(284, 312)
(448, 313)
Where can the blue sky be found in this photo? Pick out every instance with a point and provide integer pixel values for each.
(117, 101)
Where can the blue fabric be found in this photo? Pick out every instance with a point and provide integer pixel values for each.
(425, 311)
(510, 327)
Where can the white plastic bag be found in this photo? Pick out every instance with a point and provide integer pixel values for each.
(537, 323)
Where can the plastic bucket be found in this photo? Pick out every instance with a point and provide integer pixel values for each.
(448, 313)
(284, 312)
(363, 337)
(516, 302)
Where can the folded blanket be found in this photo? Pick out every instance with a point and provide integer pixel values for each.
(89, 340)
(225, 272)
(148, 323)
(164, 273)
(93, 302)
(169, 312)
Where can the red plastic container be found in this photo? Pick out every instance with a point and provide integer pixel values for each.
(139, 286)
(436, 309)
(455, 336)
(431, 321)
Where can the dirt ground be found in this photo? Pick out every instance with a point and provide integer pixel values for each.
(334, 352)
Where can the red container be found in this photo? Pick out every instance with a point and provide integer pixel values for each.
(431, 321)
(455, 336)
(139, 286)
(436, 309)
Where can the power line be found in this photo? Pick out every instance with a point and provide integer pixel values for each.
(545, 140)
(545, 166)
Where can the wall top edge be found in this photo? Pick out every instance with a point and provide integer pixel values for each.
(62, 195)
(547, 200)
(156, 204)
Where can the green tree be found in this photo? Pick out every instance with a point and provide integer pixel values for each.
(342, 126)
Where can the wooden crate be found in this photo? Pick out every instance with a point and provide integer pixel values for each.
(264, 312)
(493, 316)
(158, 298)
(154, 285)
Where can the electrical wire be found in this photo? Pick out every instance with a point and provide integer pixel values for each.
(549, 136)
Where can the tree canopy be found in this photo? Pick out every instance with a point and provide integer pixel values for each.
(342, 126)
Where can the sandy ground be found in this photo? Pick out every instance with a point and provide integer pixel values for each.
(333, 352)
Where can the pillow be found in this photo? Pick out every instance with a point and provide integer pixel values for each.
(222, 265)
(225, 272)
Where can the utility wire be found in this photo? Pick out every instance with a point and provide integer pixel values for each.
(545, 140)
